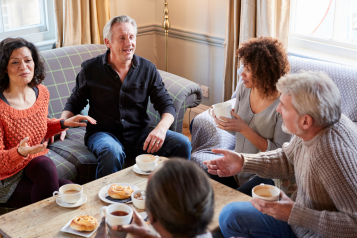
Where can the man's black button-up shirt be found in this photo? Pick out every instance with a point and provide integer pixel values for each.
(119, 108)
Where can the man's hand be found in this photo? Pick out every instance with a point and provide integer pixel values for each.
(280, 210)
(230, 164)
(24, 149)
(236, 124)
(155, 139)
(77, 121)
(137, 228)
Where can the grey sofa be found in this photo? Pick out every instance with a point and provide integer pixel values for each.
(72, 158)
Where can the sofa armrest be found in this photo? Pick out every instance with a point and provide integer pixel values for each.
(184, 93)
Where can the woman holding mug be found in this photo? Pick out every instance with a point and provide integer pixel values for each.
(255, 122)
(26, 174)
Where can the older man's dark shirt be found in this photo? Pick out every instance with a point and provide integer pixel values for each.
(119, 108)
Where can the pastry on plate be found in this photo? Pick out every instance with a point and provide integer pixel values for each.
(120, 192)
(84, 223)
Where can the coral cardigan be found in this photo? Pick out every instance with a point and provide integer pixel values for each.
(15, 125)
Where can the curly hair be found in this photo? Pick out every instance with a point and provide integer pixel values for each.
(7, 46)
(268, 61)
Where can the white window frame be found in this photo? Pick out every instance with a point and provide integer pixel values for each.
(42, 35)
(319, 48)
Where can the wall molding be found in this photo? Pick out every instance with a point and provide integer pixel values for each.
(182, 34)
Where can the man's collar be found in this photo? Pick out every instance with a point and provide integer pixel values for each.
(135, 61)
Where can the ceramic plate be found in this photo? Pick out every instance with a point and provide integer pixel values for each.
(103, 192)
(70, 205)
(68, 229)
(139, 171)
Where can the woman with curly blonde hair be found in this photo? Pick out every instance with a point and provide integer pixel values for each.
(255, 121)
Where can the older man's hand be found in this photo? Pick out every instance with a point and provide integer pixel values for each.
(230, 164)
(280, 210)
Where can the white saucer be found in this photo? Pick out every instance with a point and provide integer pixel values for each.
(139, 171)
(103, 192)
(68, 229)
(80, 202)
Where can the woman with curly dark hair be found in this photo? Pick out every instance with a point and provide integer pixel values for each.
(26, 174)
(256, 123)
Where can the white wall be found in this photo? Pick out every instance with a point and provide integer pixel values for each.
(195, 48)
(143, 11)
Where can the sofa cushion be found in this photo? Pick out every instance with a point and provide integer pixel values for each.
(74, 150)
(345, 77)
(62, 66)
(65, 169)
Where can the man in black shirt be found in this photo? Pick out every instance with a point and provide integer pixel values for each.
(118, 85)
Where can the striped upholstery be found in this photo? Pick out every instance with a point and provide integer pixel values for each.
(72, 158)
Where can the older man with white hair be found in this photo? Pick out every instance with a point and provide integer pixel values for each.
(322, 156)
(118, 85)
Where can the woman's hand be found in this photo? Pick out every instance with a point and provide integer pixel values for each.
(236, 124)
(25, 150)
(77, 121)
(137, 228)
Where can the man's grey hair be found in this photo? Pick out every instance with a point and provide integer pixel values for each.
(107, 31)
(314, 94)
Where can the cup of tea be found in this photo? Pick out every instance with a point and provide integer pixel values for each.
(69, 193)
(146, 162)
(117, 214)
(221, 110)
(266, 192)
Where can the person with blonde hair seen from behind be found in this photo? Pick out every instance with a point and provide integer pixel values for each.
(179, 203)
(27, 175)
(322, 156)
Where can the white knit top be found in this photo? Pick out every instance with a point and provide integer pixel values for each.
(325, 169)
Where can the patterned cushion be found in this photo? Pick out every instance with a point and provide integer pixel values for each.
(65, 169)
(75, 152)
(62, 66)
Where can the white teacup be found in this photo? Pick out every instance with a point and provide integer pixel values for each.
(222, 110)
(117, 214)
(146, 162)
(266, 192)
(69, 193)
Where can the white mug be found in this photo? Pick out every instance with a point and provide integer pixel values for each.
(113, 220)
(146, 162)
(221, 110)
(69, 197)
(266, 192)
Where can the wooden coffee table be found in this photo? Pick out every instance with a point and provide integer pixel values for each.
(46, 218)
